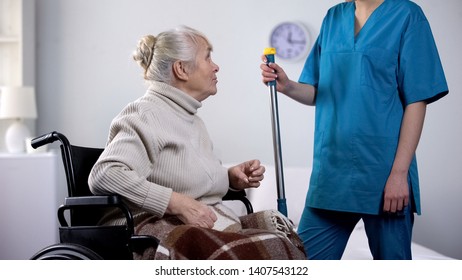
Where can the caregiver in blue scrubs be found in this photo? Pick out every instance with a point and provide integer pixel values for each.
(371, 73)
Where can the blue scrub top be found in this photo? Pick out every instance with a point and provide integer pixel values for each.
(363, 84)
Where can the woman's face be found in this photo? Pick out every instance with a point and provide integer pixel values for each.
(203, 79)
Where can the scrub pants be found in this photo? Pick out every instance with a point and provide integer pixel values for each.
(325, 233)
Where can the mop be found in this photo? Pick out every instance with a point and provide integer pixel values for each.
(281, 201)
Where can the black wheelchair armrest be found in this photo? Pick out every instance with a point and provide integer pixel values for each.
(100, 201)
(95, 200)
(239, 195)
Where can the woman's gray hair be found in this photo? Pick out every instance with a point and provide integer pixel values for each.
(156, 55)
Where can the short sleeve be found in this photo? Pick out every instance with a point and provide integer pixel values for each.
(420, 72)
(310, 72)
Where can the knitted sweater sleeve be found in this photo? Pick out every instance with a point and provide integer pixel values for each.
(127, 162)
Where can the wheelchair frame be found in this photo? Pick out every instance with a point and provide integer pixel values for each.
(82, 238)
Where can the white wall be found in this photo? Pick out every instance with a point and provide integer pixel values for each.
(440, 150)
(85, 76)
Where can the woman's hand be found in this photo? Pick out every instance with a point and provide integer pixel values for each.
(271, 72)
(303, 93)
(191, 211)
(396, 194)
(246, 175)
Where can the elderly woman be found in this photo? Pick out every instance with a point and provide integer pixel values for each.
(159, 156)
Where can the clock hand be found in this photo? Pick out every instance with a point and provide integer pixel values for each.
(298, 41)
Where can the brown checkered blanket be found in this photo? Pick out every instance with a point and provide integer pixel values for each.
(258, 236)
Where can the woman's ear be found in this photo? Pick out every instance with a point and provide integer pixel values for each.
(179, 70)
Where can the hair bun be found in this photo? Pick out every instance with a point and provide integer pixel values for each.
(144, 51)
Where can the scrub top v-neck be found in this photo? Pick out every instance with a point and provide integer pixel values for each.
(363, 84)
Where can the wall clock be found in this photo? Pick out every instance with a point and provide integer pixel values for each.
(291, 40)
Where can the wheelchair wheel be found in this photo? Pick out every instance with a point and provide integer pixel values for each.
(66, 251)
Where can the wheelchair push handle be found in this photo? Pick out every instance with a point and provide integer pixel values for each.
(47, 138)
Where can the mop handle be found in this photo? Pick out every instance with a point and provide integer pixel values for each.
(282, 206)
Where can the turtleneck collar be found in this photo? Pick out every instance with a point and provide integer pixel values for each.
(182, 99)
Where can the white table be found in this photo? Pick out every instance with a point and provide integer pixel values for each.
(29, 198)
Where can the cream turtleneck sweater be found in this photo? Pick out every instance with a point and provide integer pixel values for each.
(157, 145)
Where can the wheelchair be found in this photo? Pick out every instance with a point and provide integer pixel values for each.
(80, 236)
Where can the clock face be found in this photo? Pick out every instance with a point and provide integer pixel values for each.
(291, 40)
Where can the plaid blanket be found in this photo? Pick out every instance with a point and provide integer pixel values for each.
(258, 236)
